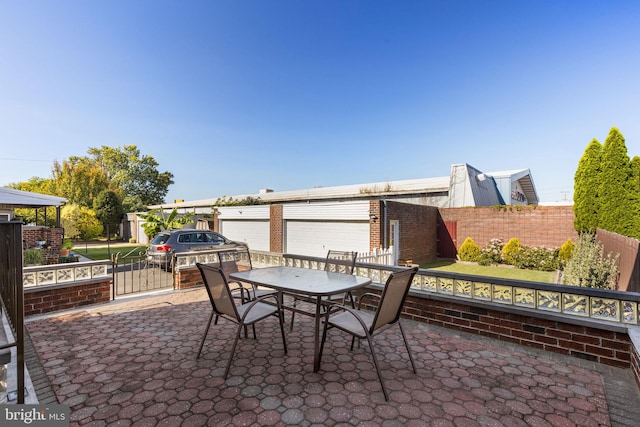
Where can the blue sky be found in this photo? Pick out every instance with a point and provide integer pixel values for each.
(234, 96)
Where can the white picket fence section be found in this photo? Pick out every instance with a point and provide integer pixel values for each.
(378, 256)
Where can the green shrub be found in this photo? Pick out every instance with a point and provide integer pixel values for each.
(33, 257)
(589, 267)
(469, 251)
(566, 250)
(491, 253)
(67, 244)
(536, 258)
(510, 251)
(132, 240)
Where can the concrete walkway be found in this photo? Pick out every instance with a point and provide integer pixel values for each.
(132, 363)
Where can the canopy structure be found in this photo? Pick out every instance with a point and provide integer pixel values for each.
(11, 199)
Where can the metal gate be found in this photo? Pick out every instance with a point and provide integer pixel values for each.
(134, 274)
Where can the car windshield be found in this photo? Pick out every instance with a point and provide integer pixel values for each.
(160, 239)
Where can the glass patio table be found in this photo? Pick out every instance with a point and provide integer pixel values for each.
(313, 284)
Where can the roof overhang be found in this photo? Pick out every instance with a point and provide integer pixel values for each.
(523, 178)
(11, 199)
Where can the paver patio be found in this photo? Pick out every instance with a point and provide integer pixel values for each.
(132, 363)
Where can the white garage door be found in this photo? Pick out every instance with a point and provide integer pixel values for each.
(315, 238)
(255, 233)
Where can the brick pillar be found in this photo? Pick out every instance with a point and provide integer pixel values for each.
(216, 223)
(375, 226)
(276, 224)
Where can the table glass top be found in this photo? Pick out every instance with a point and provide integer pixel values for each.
(302, 280)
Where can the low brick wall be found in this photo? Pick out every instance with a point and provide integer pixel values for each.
(634, 334)
(188, 277)
(602, 343)
(41, 300)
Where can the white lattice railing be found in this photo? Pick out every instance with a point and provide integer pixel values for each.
(57, 274)
(378, 256)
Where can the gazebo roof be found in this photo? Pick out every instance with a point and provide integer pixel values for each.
(11, 199)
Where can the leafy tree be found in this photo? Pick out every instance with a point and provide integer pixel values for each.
(79, 180)
(80, 222)
(108, 208)
(614, 192)
(137, 176)
(585, 190)
(156, 222)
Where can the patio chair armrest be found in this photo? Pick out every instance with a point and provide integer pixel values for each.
(242, 287)
(273, 295)
(352, 311)
(256, 301)
(367, 295)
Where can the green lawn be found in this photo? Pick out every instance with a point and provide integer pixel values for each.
(101, 253)
(493, 271)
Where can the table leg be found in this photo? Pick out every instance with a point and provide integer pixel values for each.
(316, 343)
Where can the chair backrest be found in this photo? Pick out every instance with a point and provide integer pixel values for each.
(392, 299)
(231, 260)
(340, 261)
(218, 290)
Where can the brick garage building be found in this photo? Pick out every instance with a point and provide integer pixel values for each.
(422, 219)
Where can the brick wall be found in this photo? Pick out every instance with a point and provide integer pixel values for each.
(187, 278)
(53, 237)
(276, 243)
(190, 277)
(635, 363)
(418, 231)
(548, 226)
(49, 299)
(601, 345)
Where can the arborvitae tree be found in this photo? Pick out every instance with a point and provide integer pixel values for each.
(635, 195)
(585, 188)
(615, 211)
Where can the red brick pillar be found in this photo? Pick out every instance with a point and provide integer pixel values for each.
(276, 243)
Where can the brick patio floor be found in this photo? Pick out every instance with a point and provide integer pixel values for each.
(132, 363)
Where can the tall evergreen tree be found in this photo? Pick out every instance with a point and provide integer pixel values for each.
(585, 188)
(108, 209)
(615, 208)
(635, 196)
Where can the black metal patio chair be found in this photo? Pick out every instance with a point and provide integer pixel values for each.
(234, 260)
(224, 306)
(366, 324)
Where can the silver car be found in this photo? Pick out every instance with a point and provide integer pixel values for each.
(163, 246)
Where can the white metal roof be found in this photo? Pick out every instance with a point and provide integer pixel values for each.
(10, 198)
(421, 186)
(387, 188)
